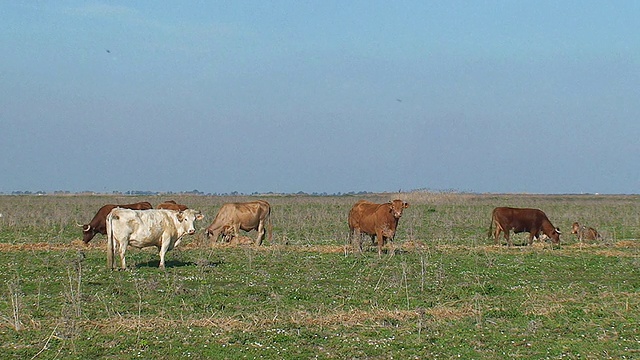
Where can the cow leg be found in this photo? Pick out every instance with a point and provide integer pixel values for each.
(260, 237)
(163, 251)
(507, 237)
(356, 239)
(350, 237)
(496, 233)
(380, 241)
(122, 247)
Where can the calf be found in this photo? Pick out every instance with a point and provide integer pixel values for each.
(163, 229)
(585, 233)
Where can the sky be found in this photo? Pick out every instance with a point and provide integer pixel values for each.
(320, 96)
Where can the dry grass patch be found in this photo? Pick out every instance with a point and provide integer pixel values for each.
(353, 318)
(541, 304)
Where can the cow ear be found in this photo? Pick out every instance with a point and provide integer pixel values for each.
(199, 217)
(558, 230)
(406, 204)
(180, 216)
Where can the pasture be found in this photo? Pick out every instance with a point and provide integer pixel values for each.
(447, 293)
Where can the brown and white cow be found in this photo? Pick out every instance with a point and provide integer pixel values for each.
(376, 220)
(162, 228)
(585, 233)
(98, 223)
(247, 216)
(520, 220)
(172, 205)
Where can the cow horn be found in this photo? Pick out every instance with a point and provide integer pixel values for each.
(87, 229)
(78, 224)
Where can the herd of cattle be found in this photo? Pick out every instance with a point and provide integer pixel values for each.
(139, 225)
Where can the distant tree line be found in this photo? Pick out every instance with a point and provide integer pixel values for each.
(192, 192)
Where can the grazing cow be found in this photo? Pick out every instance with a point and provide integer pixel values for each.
(376, 220)
(162, 228)
(585, 233)
(98, 223)
(532, 221)
(172, 205)
(246, 216)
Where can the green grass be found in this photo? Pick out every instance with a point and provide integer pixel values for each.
(447, 293)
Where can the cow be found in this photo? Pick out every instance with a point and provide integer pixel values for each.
(98, 223)
(520, 220)
(246, 216)
(172, 205)
(585, 233)
(161, 228)
(375, 220)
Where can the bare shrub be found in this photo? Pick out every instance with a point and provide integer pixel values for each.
(14, 320)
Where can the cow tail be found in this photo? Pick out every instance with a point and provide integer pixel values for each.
(490, 232)
(110, 243)
(269, 226)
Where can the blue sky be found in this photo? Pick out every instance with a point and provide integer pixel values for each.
(320, 96)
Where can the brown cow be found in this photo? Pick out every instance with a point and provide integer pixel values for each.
(245, 216)
(98, 223)
(585, 233)
(532, 221)
(375, 220)
(172, 205)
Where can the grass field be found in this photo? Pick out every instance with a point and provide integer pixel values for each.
(447, 293)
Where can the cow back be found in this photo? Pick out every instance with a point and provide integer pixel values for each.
(144, 205)
(172, 206)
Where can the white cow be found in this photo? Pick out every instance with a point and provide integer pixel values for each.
(163, 229)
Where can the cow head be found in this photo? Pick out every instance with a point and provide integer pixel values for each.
(396, 207)
(555, 236)
(575, 228)
(88, 233)
(188, 217)
(228, 233)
